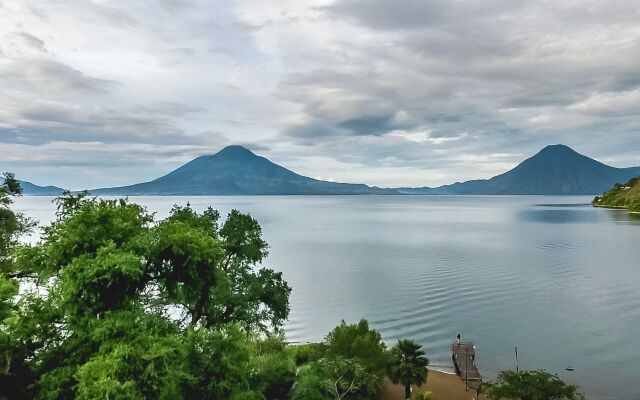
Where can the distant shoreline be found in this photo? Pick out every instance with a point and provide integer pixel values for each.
(616, 208)
(610, 207)
(320, 195)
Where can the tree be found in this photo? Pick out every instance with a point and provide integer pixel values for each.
(211, 271)
(12, 226)
(118, 305)
(350, 365)
(532, 385)
(335, 378)
(358, 342)
(407, 365)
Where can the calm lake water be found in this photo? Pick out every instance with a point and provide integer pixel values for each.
(550, 275)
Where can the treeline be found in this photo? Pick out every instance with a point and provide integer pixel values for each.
(112, 303)
(622, 195)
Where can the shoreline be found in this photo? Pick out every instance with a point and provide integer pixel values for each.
(610, 207)
(442, 381)
(615, 208)
(442, 385)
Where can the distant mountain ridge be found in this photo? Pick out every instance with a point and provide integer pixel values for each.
(30, 189)
(234, 171)
(555, 170)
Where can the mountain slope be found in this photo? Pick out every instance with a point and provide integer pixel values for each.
(555, 170)
(235, 170)
(29, 189)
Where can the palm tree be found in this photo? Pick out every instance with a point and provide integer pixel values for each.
(407, 365)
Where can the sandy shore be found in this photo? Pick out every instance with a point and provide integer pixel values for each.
(443, 387)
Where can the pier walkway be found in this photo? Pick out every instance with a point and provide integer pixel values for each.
(464, 361)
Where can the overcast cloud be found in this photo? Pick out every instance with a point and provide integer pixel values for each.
(389, 93)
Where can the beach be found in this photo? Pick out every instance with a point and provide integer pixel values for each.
(443, 386)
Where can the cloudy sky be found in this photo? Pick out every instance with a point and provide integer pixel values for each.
(413, 92)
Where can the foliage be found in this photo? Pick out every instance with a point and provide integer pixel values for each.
(273, 367)
(532, 385)
(308, 352)
(335, 378)
(113, 304)
(12, 226)
(271, 343)
(349, 365)
(118, 306)
(310, 385)
(274, 375)
(625, 195)
(407, 365)
(358, 342)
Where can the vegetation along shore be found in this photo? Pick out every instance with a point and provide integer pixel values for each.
(112, 303)
(622, 195)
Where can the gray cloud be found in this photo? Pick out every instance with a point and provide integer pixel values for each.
(509, 75)
(386, 15)
(49, 76)
(33, 41)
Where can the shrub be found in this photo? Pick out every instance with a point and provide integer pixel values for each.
(274, 375)
(305, 353)
(532, 385)
(335, 378)
(358, 342)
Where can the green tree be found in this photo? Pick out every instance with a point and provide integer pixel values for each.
(532, 385)
(12, 226)
(407, 365)
(349, 365)
(359, 342)
(117, 305)
(228, 286)
(335, 378)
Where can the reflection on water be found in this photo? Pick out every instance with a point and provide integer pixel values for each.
(551, 275)
(559, 216)
(621, 215)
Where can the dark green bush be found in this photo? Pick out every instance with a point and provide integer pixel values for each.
(308, 352)
(274, 375)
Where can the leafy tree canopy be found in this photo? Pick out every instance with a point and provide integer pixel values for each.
(12, 224)
(358, 342)
(532, 385)
(116, 305)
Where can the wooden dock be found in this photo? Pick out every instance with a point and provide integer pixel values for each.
(464, 361)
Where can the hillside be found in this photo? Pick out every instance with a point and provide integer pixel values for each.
(555, 170)
(625, 195)
(30, 189)
(236, 170)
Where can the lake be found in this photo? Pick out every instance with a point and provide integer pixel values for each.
(551, 275)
